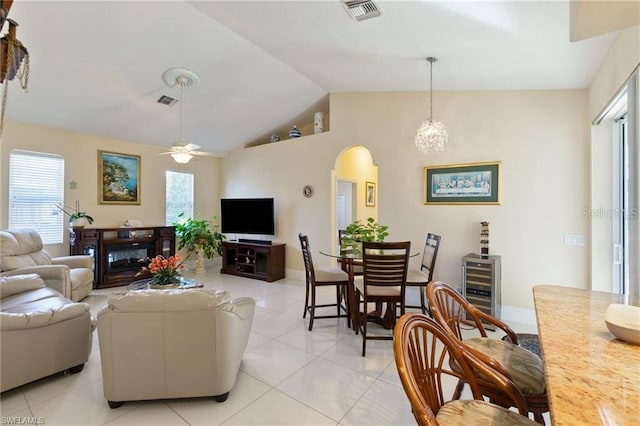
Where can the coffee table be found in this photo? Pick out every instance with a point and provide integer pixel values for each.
(185, 283)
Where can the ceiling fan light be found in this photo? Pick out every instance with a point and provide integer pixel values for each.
(182, 157)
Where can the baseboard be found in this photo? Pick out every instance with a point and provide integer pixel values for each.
(516, 314)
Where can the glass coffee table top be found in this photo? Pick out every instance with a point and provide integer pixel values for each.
(145, 283)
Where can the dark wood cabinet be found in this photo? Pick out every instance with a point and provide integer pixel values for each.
(259, 261)
(119, 253)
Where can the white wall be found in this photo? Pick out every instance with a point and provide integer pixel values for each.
(80, 152)
(541, 137)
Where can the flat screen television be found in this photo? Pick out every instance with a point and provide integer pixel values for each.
(247, 216)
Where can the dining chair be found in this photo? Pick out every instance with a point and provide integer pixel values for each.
(322, 277)
(384, 267)
(424, 353)
(449, 308)
(421, 277)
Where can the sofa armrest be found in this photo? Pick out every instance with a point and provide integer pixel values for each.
(56, 277)
(233, 326)
(21, 321)
(79, 261)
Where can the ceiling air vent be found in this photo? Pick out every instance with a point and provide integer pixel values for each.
(361, 9)
(167, 100)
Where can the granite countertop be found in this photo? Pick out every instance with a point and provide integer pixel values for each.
(592, 377)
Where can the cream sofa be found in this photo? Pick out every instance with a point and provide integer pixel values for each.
(42, 332)
(22, 252)
(158, 344)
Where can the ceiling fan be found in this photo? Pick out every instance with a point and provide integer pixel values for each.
(182, 152)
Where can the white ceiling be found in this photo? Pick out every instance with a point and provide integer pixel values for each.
(96, 67)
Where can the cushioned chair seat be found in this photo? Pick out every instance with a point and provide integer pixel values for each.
(416, 276)
(376, 290)
(474, 412)
(525, 367)
(331, 274)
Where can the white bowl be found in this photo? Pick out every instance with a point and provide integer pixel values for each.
(623, 321)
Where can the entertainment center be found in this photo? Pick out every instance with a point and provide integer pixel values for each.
(262, 261)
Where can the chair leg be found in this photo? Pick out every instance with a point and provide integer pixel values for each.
(364, 334)
(423, 305)
(312, 310)
(338, 298)
(306, 302)
(458, 391)
(538, 418)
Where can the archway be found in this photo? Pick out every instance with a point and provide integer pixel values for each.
(354, 189)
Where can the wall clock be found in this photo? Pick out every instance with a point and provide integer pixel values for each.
(307, 191)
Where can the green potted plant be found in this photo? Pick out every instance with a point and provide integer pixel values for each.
(78, 219)
(199, 236)
(357, 232)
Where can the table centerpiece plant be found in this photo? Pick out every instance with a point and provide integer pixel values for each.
(166, 272)
(358, 232)
(199, 236)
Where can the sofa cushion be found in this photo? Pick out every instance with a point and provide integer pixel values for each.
(19, 284)
(21, 248)
(41, 315)
(167, 300)
(34, 300)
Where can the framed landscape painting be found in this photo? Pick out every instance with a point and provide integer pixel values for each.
(118, 178)
(474, 183)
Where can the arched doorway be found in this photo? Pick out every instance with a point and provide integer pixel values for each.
(354, 189)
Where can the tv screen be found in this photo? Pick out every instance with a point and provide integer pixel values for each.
(247, 216)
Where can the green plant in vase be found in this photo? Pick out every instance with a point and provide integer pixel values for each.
(199, 236)
(357, 232)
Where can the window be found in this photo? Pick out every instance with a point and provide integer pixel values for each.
(36, 186)
(179, 196)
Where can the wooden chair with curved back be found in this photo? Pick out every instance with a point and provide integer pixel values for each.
(322, 277)
(453, 312)
(421, 277)
(424, 353)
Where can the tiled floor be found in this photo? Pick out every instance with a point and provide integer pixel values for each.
(288, 375)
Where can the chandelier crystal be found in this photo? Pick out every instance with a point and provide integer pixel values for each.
(432, 136)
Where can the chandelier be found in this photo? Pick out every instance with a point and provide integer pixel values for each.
(432, 135)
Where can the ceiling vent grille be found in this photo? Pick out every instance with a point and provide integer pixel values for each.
(167, 100)
(361, 9)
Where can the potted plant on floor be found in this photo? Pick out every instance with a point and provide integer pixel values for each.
(199, 236)
(358, 232)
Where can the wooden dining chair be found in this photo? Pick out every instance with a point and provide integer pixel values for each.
(322, 277)
(424, 353)
(453, 312)
(384, 267)
(421, 277)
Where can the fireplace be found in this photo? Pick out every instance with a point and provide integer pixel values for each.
(122, 258)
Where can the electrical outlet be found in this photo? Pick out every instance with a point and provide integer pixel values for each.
(573, 239)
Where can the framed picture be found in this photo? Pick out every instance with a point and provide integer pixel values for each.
(370, 194)
(118, 178)
(473, 183)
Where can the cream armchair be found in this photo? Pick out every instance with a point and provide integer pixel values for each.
(42, 332)
(22, 252)
(159, 344)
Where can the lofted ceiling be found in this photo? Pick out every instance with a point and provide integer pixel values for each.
(96, 67)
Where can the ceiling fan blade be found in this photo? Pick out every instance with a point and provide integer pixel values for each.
(206, 154)
(191, 147)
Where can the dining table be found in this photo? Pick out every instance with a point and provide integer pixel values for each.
(349, 260)
(592, 377)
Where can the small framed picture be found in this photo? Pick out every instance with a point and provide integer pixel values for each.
(118, 178)
(473, 183)
(370, 194)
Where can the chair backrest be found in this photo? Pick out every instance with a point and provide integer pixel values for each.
(306, 257)
(22, 248)
(430, 254)
(450, 308)
(385, 264)
(430, 361)
(424, 355)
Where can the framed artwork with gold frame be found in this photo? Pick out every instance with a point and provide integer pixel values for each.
(370, 194)
(472, 183)
(118, 178)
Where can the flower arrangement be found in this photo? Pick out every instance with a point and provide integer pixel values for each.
(75, 215)
(165, 271)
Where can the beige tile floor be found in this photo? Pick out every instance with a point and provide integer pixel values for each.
(288, 376)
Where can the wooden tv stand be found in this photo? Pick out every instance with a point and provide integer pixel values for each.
(258, 261)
